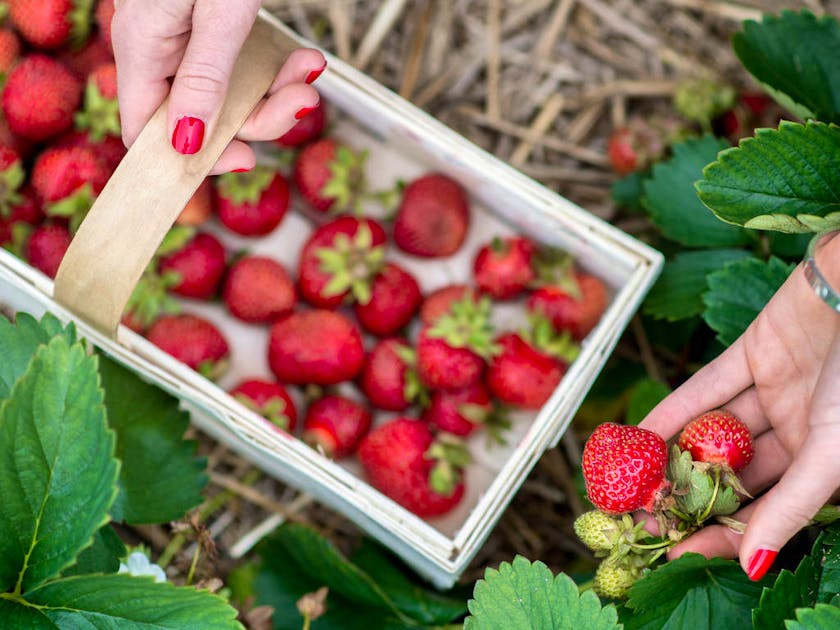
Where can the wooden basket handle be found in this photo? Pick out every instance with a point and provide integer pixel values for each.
(150, 187)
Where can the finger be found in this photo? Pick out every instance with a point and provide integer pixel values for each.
(713, 385)
(770, 460)
(747, 407)
(237, 156)
(304, 65)
(219, 29)
(809, 482)
(715, 541)
(278, 113)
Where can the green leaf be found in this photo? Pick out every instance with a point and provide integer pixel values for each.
(820, 617)
(644, 396)
(678, 293)
(57, 470)
(161, 478)
(131, 603)
(791, 246)
(693, 592)
(793, 55)
(628, 192)
(527, 595)
(738, 292)
(789, 592)
(826, 554)
(20, 340)
(18, 616)
(785, 180)
(672, 202)
(103, 556)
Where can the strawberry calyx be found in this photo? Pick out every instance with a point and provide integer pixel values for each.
(543, 336)
(176, 239)
(11, 179)
(79, 18)
(100, 114)
(554, 267)
(213, 369)
(347, 183)
(414, 390)
(18, 237)
(467, 325)
(151, 297)
(245, 188)
(273, 410)
(352, 264)
(73, 207)
(450, 456)
(495, 419)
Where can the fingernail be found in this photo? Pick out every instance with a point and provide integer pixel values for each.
(314, 74)
(188, 135)
(240, 170)
(304, 112)
(760, 563)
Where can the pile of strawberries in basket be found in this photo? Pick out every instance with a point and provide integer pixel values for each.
(346, 314)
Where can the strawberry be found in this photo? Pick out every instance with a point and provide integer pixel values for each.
(16, 225)
(751, 110)
(598, 531)
(193, 341)
(40, 98)
(9, 52)
(640, 143)
(433, 217)
(394, 298)
(613, 579)
(403, 460)
(104, 14)
(330, 176)
(46, 247)
(389, 378)
(575, 306)
(200, 265)
(110, 150)
(622, 152)
(100, 114)
(270, 400)
(52, 23)
(11, 179)
(451, 353)
(718, 438)
(624, 468)
(252, 203)
(201, 206)
(82, 61)
(462, 411)
(319, 346)
(340, 260)
(503, 268)
(440, 301)
(68, 179)
(336, 425)
(258, 289)
(150, 299)
(307, 129)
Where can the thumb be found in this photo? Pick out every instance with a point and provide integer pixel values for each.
(219, 29)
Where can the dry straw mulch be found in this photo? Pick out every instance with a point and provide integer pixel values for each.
(540, 84)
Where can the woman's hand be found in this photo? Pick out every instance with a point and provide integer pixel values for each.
(197, 43)
(781, 377)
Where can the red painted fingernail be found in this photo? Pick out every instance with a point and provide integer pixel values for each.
(760, 563)
(314, 74)
(240, 170)
(188, 135)
(304, 112)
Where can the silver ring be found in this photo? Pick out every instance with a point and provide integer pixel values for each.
(815, 277)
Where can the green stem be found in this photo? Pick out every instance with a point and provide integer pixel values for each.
(194, 563)
(708, 509)
(306, 622)
(678, 514)
(660, 545)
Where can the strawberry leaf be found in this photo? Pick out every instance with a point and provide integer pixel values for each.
(103, 556)
(527, 595)
(821, 617)
(826, 554)
(789, 592)
(784, 180)
(17, 614)
(738, 292)
(644, 396)
(693, 592)
(678, 293)
(672, 202)
(793, 56)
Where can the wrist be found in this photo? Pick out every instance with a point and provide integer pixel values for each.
(822, 267)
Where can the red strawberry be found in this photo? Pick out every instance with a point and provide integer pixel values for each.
(641, 142)
(389, 378)
(339, 259)
(68, 179)
(330, 176)
(258, 289)
(522, 375)
(402, 460)
(621, 151)
(104, 14)
(270, 400)
(462, 411)
(503, 268)
(439, 302)
(16, 226)
(307, 129)
(46, 247)
(394, 298)
(110, 150)
(252, 203)
(752, 110)
(719, 438)
(319, 346)
(201, 206)
(433, 217)
(40, 98)
(51, 23)
(82, 61)
(9, 52)
(576, 307)
(451, 353)
(11, 179)
(200, 265)
(100, 114)
(193, 341)
(336, 425)
(624, 468)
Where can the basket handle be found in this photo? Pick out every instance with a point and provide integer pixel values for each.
(150, 187)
